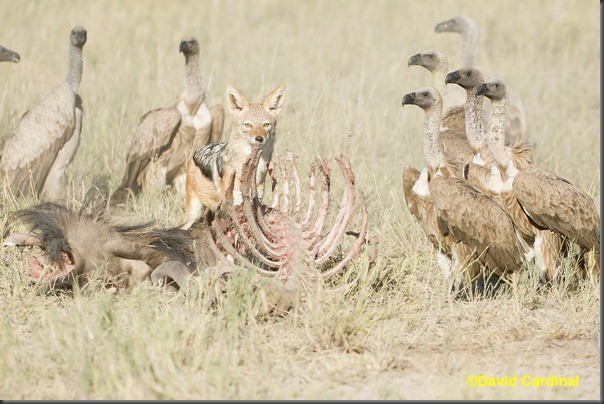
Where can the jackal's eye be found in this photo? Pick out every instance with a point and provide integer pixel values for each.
(247, 125)
(267, 125)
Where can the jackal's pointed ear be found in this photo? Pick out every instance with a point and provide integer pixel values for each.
(272, 103)
(236, 100)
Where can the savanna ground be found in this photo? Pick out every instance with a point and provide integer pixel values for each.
(344, 65)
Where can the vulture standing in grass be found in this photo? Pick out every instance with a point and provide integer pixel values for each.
(516, 122)
(470, 225)
(479, 170)
(415, 183)
(7, 55)
(167, 137)
(45, 141)
(551, 204)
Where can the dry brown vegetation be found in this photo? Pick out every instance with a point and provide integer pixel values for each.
(344, 64)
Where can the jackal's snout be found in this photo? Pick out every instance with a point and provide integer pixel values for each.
(259, 134)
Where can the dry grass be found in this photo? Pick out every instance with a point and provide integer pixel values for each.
(344, 66)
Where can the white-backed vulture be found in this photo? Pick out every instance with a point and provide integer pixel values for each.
(546, 245)
(7, 55)
(478, 170)
(453, 130)
(553, 203)
(438, 65)
(549, 202)
(468, 78)
(478, 226)
(167, 137)
(417, 194)
(516, 122)
(37, 153)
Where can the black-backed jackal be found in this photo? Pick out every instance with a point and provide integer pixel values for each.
(212, 166)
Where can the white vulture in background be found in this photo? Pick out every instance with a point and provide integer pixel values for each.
(45, 141)
(552, 204)
(7, 55)
(516, 122)
(167, 137)
(470, 225)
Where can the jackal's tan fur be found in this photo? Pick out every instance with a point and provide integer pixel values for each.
(252, 124)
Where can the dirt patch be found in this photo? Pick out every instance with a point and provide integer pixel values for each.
(432, 373)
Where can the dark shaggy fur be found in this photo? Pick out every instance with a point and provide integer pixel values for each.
(175, 244)
(50, 221)
(209, 159)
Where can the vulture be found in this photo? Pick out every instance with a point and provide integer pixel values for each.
(516, 121)
(468, 226)
(167, 137)
(438, 65)
(551, 207)
(468, 78)
(453, 130)
(479, 171)
(42, 146)
(7, 55)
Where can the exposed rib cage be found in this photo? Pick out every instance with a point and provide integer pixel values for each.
(284, 240)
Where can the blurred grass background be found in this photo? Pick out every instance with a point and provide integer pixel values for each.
(344, 65)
